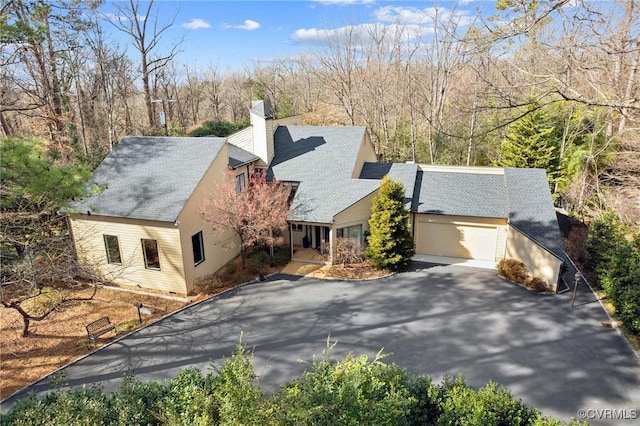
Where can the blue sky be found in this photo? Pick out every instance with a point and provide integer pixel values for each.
(233, 34)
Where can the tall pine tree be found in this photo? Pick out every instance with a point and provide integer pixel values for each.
(531, 143)
(390, 244)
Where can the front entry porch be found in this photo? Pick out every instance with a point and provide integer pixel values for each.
(310, 243)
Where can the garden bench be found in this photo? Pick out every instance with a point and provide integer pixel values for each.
(98, 328)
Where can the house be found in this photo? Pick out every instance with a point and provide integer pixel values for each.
(142, 226)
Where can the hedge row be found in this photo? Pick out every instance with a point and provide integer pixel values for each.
(354, 391)
(613, 253)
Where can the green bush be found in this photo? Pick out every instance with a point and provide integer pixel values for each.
(235, 391)
(88, 406)
(605, 233)
(137, 402)
(613, 252)
(218, 128)
(352, 391)
(490, 405)
(621, 282)
(189, 400)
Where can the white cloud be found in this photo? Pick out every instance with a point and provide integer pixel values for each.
(417, 16)
(120, 18)
(362, 33)
(196, 24)
(313, 35)
(248, 25)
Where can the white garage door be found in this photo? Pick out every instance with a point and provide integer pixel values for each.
(466, 241)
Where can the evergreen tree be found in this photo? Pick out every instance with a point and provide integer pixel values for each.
(531, 143)
(390, 244)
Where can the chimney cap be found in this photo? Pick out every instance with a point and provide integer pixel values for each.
(261, 108)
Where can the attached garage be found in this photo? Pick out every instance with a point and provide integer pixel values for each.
(460, 237)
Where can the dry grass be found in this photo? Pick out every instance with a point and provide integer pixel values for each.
(62, 337)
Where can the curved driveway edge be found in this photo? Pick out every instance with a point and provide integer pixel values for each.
(439, 320)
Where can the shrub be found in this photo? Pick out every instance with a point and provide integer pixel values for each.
(390, 243)
(137, 402)
(490, 405)
(605, 233)
(427, 408)
(621, 282)
(234, 390)
(352, 391)
(538, 285)
(209, 284)
(189, 400)
(218, 128)
(281, 255)
(349, 251)
(89, 406)
(513, 270)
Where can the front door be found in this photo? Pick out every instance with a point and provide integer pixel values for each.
(321, 234)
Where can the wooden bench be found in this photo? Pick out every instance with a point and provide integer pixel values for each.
(98, 328)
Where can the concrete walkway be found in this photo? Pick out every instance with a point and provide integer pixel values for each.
(435, 320)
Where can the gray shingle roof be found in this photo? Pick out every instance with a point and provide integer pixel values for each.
(149, 177)
(321, 159)
(531, 208)
(239, 157)
(463, 194)
(403, 172)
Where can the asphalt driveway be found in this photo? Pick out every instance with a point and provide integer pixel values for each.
(437, 320)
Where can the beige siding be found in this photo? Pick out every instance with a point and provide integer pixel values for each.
(218, 248)
(357, 213)
(88, 233)
(177, 269)
(296, 236)
(258, 138)
(243, 139)
(367, 153)
(501, 247)
(538, 261)
(457, 236)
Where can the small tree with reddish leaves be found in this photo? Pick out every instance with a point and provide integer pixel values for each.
(256, 215)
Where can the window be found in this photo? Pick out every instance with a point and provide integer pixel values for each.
(240, 183)
(354, 232)
(151, 255)
(296, 227)
(198, 248)
(292, 193)
(113, 249)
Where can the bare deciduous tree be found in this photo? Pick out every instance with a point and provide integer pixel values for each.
(146, 31)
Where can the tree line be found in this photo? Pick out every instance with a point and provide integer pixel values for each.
(555, 80)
